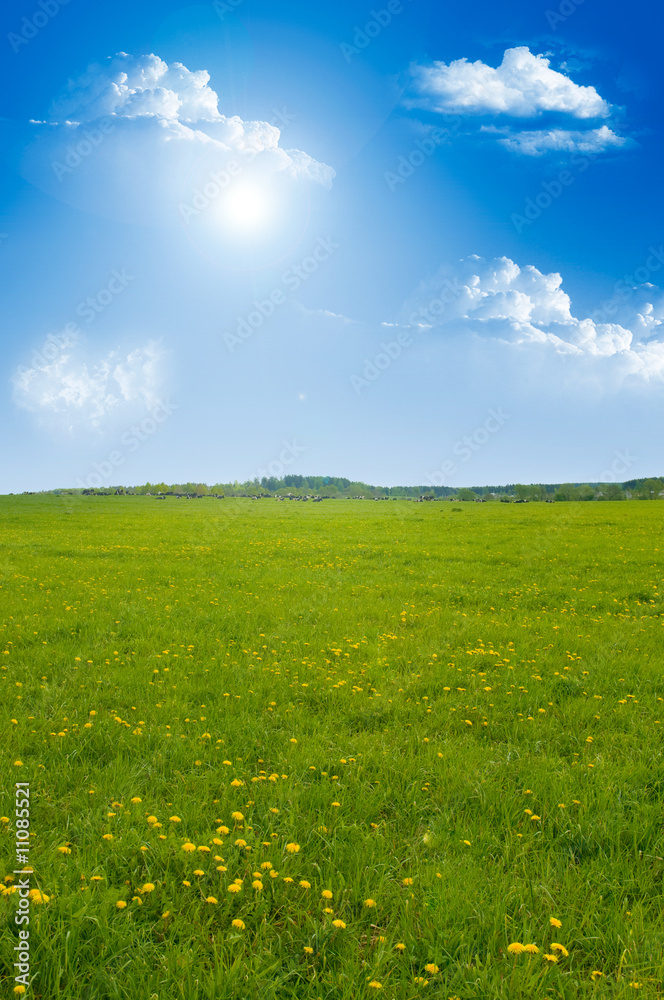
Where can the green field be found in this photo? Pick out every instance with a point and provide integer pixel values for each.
(438, 725)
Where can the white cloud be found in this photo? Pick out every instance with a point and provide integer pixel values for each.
(133, 136)
(523, 86)
(559, 140)
(521, 306)
(69, 393)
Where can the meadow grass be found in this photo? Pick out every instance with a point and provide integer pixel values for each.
(445, 718)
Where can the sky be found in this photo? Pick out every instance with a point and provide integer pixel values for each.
(409, 243)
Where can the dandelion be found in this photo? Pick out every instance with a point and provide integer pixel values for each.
(266, 865)
(97, 878)
(107, 836)
(532, 949)
(326, 894)
(375, 985)
(235, 888)
(221, 868)
(135, 800)
(210, 899)
(515, 948)
(551, 958)
(19, 989)
(148, 887)
(370, 903)
(467, 842)
(554, 922)
(64, 850)
(407, 881)
(152, 819)
(223, 830)
(559, 947)
(286, 879)
(328, 909)
(189, 847)
(339, 923)
(305, 885)
(400, 946)
(292, 849)
(336, 804)
(240, 843)
(431, 968)
(199, 872)
(421, 980)
(120, 905)
(174, 819)
(307, 950)
(137, 899)
(185, 882)
(257, 885)
(595, 974)
(239, 925)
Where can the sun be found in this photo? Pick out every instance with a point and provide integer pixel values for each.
(246, 207)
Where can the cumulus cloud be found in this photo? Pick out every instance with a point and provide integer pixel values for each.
(69, 393)
(134, 134)
(523, 86)
(500, 300)
(538, 142)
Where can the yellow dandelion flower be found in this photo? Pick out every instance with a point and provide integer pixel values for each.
(407, 881)
(305, 885)
(239, 925)
(185, 882)
(120, 905)
(292, 848)
(237, 816)
(400, 946)
(152, 819)
(595, 974)
(240, 843)
(515, 948)
(286, 879)
(328, 909)
(64, 850)
(223, 830)
(370, 903)
(199, 871)
(136, 800)
(532, 949)
(137, 899)
(165, 914)
(107, 836)
(174, 819)
(554, 922)
(257, 885)
(551, 958)
(431, 968)
(189, 847)
(339, 923)
(235, 888)
(19, 989)
(375, 985)
(148, 887)
(555, 946)
(326, 894)
(210, 899)
(307, 950)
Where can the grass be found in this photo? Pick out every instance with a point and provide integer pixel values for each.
(454, 711)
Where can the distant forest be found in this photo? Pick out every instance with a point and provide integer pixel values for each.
(335, 487)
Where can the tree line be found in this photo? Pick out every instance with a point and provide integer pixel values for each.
(332, 487)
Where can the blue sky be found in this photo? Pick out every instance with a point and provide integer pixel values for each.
(408, 243)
